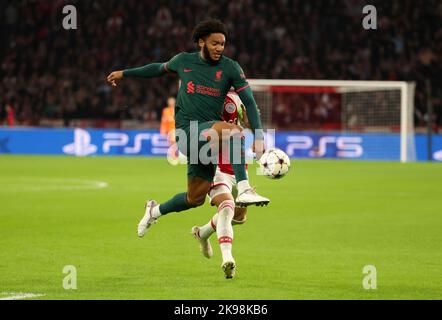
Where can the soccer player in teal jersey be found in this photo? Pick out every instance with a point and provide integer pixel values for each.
(206, 77)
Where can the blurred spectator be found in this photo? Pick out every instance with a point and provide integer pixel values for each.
(167, 118)
(167, 128)
(50, 72)
(2, 114)
(9, 116)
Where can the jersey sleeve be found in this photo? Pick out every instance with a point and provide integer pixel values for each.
(173, 64)
(242, 87)
(148, 71)
(239, 81)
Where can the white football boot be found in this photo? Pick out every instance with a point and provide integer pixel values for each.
(229, 267)
(205, 247)
(250, 197)
(147, 220)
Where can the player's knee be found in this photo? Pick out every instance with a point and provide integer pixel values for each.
(220, 194)
(196, 200)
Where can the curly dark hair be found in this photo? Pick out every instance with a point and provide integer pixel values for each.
(206, 28)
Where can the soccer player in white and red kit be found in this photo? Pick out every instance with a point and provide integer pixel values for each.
(224, 187)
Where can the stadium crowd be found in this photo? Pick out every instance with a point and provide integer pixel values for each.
(49, 72)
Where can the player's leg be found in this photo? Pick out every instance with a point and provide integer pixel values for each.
(197, 189)
(223, 185)
(224, 231)
(204, 232)
(194, 197)
(200, 178)
(221, 196)
(233, 133)
(221, 188)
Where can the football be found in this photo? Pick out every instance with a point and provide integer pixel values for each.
(274, 163)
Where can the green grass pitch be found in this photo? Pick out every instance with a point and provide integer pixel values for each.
(326, 221)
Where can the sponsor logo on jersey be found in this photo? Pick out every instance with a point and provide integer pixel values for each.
(214, 92)
(190, 87)
(188, 70)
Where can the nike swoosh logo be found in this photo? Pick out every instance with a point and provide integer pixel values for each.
(188, 70)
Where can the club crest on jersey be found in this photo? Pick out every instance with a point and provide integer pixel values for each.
(218, 75)
(230, 107)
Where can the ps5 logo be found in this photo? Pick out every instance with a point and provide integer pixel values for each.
(159, 142)
(82, 144)
(347, 147)
(438, 155)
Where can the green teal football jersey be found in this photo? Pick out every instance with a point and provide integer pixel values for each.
(203, 86)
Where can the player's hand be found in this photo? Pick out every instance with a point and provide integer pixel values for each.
(259, 148)
(114, 76)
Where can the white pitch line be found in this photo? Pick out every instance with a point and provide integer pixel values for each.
(81, 185)
(20, 295)
(36, 185)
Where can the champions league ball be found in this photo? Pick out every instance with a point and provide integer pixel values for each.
(274, 163)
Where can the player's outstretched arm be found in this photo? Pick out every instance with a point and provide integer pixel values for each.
(151, 70)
